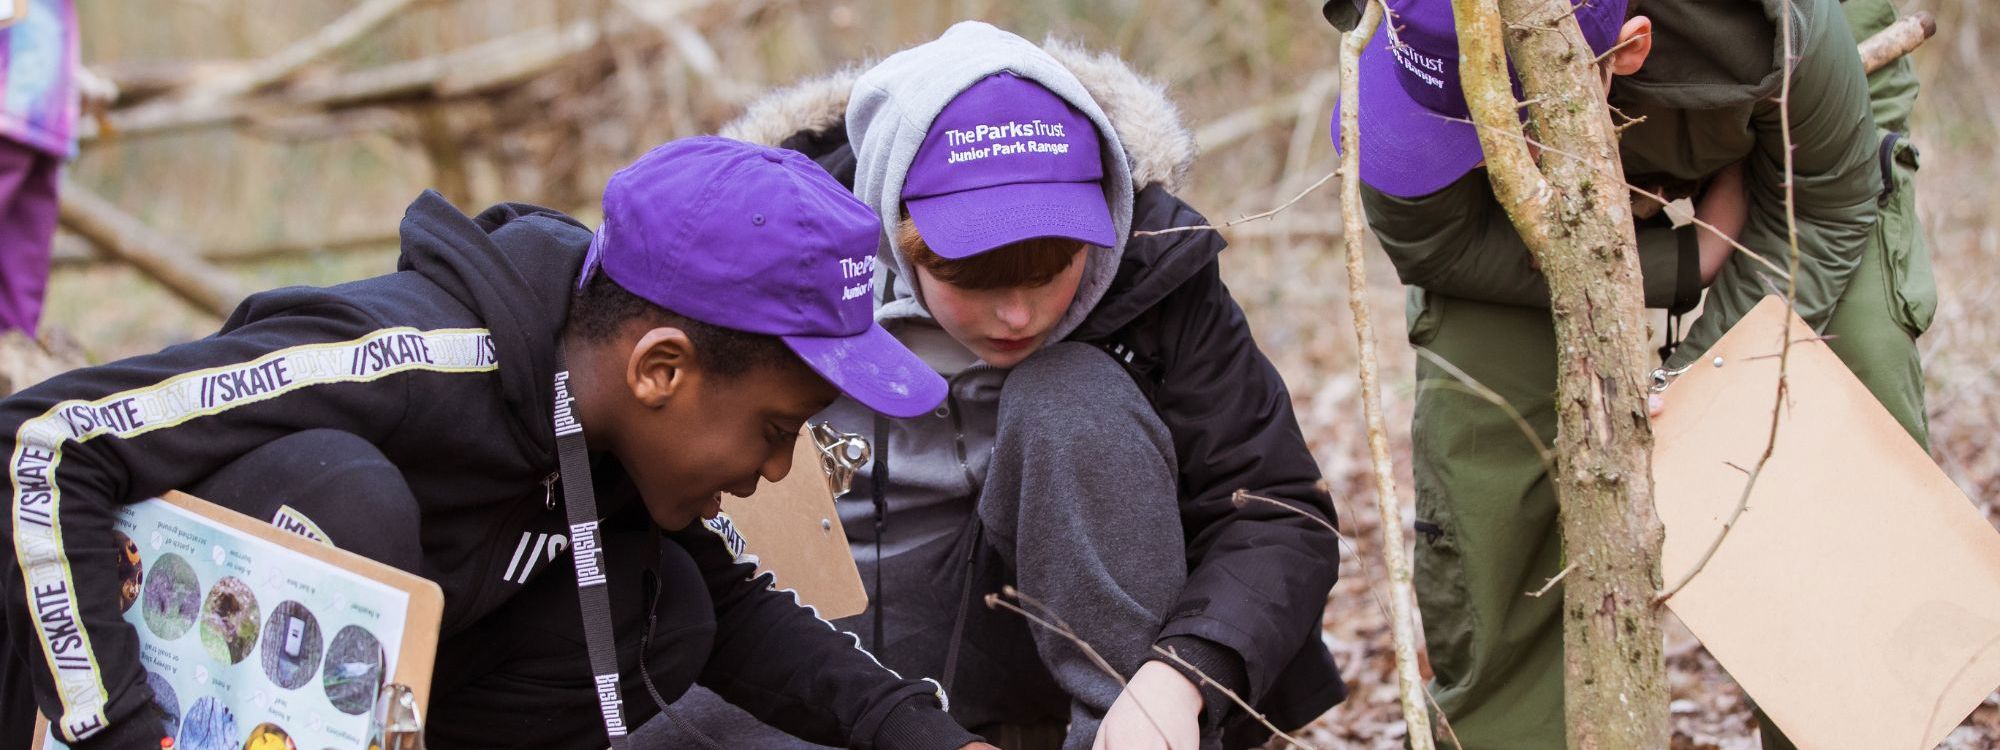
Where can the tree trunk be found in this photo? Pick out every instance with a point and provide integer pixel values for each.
(1572, 208)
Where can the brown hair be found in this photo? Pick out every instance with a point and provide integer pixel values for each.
(1027, 263)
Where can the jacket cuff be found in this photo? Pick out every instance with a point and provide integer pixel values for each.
(1219, 664)
(918, 724)
(142, 729)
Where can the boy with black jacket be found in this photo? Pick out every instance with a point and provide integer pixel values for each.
(1701, 79)
(1106, 402)
(415, 418)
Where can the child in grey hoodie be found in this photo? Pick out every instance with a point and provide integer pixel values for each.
(1106, 402)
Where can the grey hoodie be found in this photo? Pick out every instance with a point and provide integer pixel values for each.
(1168, 307)
(940, 462)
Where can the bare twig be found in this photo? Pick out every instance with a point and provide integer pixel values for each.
(1768, 263)
(1896, 40)
(1233, 697)
(1785, 334)
(1553, 580)
(1243, 496)
(1621, 45)
(1253, 217)
(1367, 577)
(1402, 599)
(1055, 624)
(1473, 386)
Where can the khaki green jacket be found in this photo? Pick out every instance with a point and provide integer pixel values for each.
(1708, 95)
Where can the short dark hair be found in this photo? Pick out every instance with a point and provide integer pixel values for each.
(601, 309)
(1026, 263)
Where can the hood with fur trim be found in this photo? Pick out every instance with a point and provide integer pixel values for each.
(1158, 146)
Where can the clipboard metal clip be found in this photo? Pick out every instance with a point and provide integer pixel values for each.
(1663, 377)
(398, 724)
(840, 455)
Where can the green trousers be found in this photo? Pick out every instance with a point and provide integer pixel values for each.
(1486, 507)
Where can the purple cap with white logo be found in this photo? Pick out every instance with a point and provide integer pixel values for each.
(1006, 161)
(1410, 87)
(760, 240)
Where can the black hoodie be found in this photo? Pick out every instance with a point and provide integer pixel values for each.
(446, 367)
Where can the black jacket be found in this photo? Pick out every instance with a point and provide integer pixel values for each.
(1259, 574)
(446, 366)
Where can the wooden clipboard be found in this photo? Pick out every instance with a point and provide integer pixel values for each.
(416, 655)
(793, 529)
(1858, 599)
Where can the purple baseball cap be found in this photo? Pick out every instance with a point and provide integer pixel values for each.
(1409, 86)
(1006, 161)
(760, 240)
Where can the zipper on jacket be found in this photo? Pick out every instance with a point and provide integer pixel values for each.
(878, 481)
(958, 435)
(549, 490)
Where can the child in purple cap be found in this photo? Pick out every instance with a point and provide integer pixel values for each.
(1106, 400)
(416, 418)
(1701, 79)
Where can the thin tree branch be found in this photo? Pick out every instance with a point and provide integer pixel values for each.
(1240, 497)
(1553, 580)
(1253, 217)
(1473, 386)
(1791, 306)
(1233, 697)
(1768, 263)
(1402, 601)
(1062, 628)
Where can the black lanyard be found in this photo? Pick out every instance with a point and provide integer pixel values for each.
(573, 461)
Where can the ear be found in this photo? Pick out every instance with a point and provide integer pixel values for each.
(1635, 42)
(661, 365)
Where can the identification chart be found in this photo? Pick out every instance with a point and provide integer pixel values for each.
(249, 645)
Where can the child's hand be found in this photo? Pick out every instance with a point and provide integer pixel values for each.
(1169, 721)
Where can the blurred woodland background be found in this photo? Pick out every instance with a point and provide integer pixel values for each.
(304, 182)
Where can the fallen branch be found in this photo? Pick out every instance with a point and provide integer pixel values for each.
(1896, 40)
(75, 255)
(235, 81)
(126, 237)
(482, 67)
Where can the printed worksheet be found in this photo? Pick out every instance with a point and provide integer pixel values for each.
(248, 645)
